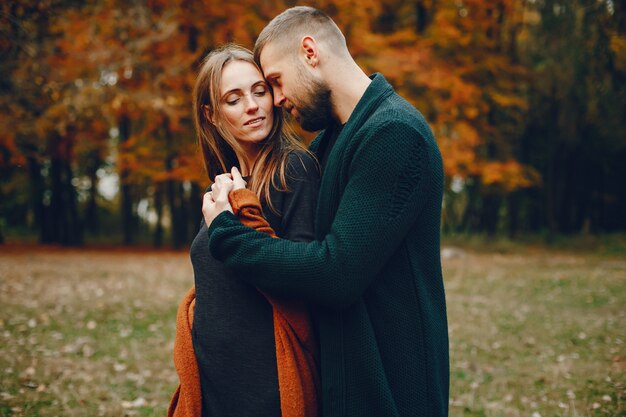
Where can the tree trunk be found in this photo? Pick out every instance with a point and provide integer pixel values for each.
(74, 226)
(513, 213)
(174, 198)
(195, 208)
(422, 17)
(471, 216)
(158, 206)
(62, 214)
(490, 213)
(37, 197)
(126, 195)
(92, 223)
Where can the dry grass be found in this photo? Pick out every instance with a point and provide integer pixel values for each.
(538, 334)
(90, 333)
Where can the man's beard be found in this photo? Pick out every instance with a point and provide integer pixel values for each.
(316, 110)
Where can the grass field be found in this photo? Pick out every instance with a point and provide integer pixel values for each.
(90, 332)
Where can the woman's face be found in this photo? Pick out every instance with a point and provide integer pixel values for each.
(246, 103)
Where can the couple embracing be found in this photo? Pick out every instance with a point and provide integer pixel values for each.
(318, 285)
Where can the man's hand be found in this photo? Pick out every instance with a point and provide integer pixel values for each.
(216, 200)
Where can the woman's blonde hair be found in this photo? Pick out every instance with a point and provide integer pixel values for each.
(220, 149)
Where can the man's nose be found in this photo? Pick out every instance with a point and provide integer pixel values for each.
(279, 98)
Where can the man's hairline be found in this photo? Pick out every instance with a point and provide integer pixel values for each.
(264, 50)
(276, 41)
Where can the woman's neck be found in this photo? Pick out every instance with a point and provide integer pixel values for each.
(250, 155)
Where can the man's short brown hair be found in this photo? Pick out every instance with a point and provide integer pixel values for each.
(287, 29)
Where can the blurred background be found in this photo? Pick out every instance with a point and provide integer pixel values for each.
(527, 99)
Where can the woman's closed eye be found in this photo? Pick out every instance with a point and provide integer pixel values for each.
(260, 91)
(232, 99)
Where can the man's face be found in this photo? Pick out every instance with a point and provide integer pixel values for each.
(306, 98)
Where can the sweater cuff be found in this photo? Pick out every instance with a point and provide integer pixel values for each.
(224, 219)
(242, 198)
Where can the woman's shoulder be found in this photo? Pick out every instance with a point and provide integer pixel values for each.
(293, 193)
(301, 164)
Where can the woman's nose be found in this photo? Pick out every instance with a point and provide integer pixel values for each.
(251, 104)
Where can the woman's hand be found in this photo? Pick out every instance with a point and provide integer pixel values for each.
(238, 181)
(216, 200)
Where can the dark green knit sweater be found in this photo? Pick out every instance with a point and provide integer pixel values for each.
(373, 276)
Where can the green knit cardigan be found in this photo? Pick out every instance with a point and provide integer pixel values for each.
(373, 275)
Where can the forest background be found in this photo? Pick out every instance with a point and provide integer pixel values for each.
(526, 98)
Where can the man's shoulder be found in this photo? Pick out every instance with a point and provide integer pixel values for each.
(390, 105)
(395, 112)
(397, 108)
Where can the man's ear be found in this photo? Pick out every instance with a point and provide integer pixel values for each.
(310, 50)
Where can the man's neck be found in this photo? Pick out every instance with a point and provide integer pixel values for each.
(348, 85)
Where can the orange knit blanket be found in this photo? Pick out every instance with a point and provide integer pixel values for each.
(296, 347)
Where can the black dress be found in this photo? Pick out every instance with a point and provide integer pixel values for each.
(233, 329)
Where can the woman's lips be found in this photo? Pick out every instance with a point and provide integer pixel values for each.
(255, 122)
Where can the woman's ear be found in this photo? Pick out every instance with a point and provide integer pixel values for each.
(207, 113)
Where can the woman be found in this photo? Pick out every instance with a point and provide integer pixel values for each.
(233, 325)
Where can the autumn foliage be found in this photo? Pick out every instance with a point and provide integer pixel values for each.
(526, 99)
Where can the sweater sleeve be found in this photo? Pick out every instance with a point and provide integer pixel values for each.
(247, 207)
(389, 181)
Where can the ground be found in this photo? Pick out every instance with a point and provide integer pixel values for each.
(90, 332)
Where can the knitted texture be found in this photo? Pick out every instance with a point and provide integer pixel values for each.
(373, 274)
(296, 346)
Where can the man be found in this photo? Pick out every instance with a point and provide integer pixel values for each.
(373, 275)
